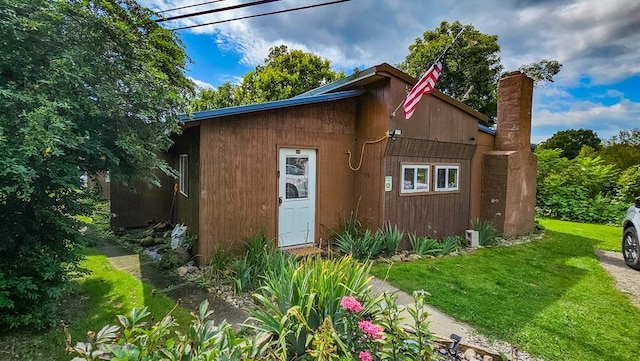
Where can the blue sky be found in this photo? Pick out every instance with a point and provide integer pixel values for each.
(597, 42)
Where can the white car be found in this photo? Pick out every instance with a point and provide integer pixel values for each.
(630, 243)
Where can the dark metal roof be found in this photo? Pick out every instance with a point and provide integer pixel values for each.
(244, 109)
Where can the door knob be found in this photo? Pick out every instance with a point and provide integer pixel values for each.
(279, 200)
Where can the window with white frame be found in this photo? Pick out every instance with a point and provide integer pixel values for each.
(183, 169)
(414, 178)
(447, 178)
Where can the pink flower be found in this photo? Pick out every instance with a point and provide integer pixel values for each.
(350, 303)
(370, 329)
(365, 356)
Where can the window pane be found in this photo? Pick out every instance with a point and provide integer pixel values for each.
(453, 178)
(297, 181)
(409, 174)
(422, 179)
(441, 178)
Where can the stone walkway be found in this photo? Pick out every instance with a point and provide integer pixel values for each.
(172, 285)
(439, 323)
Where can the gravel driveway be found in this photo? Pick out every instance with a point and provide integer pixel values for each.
(627, 279)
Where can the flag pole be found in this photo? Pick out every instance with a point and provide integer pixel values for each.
(393, 114)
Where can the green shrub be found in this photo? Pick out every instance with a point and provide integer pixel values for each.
(424, 245)
(362, 246)
(218, 264)
(451, 244)
(293, 303)
(137, 339)
(403, 342)
(39, 253)
(582, 189)
(487, 233)
(390, 237)
(260, 258)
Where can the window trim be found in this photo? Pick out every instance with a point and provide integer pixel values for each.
(183, 170)
(446, 167)
(415, 166)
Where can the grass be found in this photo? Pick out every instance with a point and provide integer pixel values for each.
(92, 302)
(608, 238)
(550, 297)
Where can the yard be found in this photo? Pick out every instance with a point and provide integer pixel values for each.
(549, 297)
(92, 302)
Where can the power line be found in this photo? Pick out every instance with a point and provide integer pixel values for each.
(210, 11)
(189, 6)
(263, 14)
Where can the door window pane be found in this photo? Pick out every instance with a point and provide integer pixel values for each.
(297, 181)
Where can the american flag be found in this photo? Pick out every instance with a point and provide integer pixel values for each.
(423, 86)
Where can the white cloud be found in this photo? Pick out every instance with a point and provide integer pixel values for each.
(606, 120)
(587, 36)
(201, 84)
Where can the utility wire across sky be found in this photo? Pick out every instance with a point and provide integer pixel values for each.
(210, 11)
(189, 6)
(248, 16)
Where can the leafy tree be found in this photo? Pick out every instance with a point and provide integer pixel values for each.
(541, 72)
(571, 141)
(623, 149)
(284, 74)
(472, 66)
(222, 97)
(84, 86)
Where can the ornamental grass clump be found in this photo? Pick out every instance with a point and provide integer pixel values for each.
(295, 301)
(487, 233)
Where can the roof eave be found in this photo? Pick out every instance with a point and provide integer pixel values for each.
(252, 108)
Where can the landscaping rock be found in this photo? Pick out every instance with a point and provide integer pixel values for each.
(175, 258)
(487, 358)
(470, 354)
(396, 258)
(182, 271)
(413, 257)
(152, 241)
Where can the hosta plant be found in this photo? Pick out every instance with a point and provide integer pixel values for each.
(136, 339)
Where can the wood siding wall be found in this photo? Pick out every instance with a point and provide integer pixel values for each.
(187, 207)
(438, 214)
(438, 132)
(372, 123)
(238, 169)
(144, 205)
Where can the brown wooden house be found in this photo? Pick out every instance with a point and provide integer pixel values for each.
(294, 168)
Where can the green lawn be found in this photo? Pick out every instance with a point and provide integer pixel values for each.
(93, 301)
(549, 297)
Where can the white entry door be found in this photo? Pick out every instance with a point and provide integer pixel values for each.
(297, 191)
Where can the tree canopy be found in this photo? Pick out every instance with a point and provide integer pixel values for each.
(472, 66)
(284, 74)
(623, 149)
(84, 86)
(571, 141)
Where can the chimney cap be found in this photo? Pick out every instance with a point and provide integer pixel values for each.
(515, 72)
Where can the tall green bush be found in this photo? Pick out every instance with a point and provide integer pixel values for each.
(582, 189)
(84, 86)
(294, 302)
